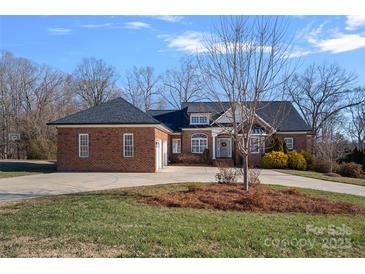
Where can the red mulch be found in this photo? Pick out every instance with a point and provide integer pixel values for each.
(259, 198)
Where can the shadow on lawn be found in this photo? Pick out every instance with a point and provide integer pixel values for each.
(25, 166)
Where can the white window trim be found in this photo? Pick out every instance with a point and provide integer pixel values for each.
(258, 145)
(199, 115)
(261, 144)
(292, 142)
(179, 147)
(199, 139)
(88, 145)
(124, 151)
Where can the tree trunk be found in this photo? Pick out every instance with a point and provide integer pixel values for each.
(245, 172)
(234, 154)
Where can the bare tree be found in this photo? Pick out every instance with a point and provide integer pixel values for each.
(321, 92)
(30, 96)
(95, 81)
(182, 84)
(246, 60)
(356, 127)
(141, 85)
(331, 145)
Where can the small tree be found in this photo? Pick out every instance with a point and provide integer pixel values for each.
(331, 145)
(246, 60)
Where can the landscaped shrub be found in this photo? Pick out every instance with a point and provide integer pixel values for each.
(351, 170)
(296, 161)
(275, 159)
(323, 166)
(254, 176)
(285, 147)
(206, 156)
(357, 156)
(308, 158)
(227, 175)
(277, 145)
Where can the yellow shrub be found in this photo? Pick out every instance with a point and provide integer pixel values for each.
(274, 159)
(296, 161)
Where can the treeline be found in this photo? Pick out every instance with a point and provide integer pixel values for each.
(33, 94)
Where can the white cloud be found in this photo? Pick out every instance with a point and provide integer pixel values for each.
(169, 18)
(95, 26)
(137, 25)
(190, 42)
(355, 21)
(298, 53)
(333, 40)
(193, 42)
(340, 43)
(59, 31)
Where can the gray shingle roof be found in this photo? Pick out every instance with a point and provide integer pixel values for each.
(116, 111)
(289, 120)
(173, 119)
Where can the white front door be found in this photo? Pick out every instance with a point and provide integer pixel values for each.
(158, 154)
(225, 148)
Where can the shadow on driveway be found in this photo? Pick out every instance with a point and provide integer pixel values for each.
(27, 166)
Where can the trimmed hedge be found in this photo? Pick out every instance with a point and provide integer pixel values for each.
(296, 161)
(274, 159)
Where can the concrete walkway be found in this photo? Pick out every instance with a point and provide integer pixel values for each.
(63, 183)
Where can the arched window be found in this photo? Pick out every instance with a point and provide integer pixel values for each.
(199, 142)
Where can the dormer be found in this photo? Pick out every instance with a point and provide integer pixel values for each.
(202, 118)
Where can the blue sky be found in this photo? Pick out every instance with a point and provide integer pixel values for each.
(160, 41)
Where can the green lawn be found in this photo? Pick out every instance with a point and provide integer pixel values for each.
(114, 224)
(22, 168)
(318, 175)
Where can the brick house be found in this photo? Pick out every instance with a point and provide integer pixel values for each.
(117, 136)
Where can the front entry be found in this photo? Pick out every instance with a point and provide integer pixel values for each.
(224, 147)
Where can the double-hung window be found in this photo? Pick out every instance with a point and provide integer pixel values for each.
(289, 143)
(254, 145)
(176, 146)
(83, 145)
(128, 145)
(199, 142)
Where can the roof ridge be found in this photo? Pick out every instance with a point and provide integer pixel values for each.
(111, 111)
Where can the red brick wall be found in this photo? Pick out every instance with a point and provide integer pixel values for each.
(106, 150)
(301, 141)
(186, 141)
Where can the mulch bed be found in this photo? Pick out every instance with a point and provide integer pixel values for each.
(259, 198)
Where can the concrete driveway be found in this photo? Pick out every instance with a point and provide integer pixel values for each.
(63, 183)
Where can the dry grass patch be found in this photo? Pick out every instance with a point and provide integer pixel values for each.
(260, 198)
(28, 247)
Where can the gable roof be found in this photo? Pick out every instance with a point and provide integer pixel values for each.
(267, 110)
(116, 111)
